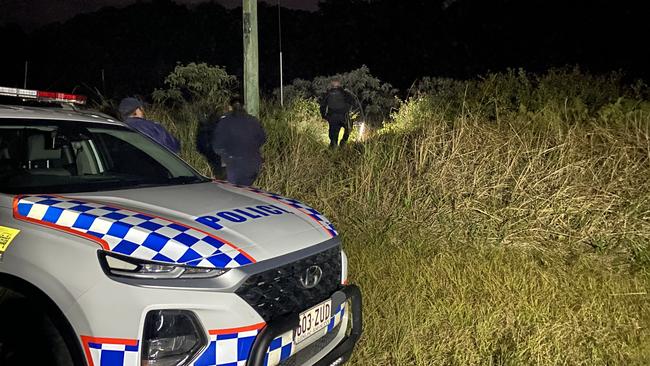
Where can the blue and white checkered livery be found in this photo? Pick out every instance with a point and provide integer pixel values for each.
(280, 349)
(336, 319)
(131, 233)
(233, 347)
(301, 207)
(111, 352)
(228, 348)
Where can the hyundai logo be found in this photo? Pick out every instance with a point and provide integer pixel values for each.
(311, 277)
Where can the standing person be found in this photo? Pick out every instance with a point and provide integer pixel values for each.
(132, 113)
(335, 107)
(204, 144)
(237, 138)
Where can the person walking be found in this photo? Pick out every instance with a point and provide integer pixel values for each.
(335, 107)
(237, 138)
(203, 142)
(132, 113)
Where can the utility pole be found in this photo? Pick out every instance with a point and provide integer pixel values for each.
(280, 47)
(251, 62)
(25, 78)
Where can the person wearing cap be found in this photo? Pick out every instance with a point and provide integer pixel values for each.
(237, 138)
(132, 112)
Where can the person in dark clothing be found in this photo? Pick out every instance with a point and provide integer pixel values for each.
(335, 107)
(204, 144)
(238, 138)
(132, 112)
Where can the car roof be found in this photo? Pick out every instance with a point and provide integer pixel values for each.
(65, 114)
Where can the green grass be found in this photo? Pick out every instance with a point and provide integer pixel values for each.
(520, 239)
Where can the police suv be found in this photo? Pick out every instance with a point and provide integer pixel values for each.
(115, 252)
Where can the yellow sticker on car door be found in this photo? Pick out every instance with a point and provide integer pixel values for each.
(7, 235)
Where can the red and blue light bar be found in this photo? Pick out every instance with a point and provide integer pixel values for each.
(43, 96)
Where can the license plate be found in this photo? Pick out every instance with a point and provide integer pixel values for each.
(313, 320)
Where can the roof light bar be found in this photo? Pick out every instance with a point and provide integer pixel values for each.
(43, 96)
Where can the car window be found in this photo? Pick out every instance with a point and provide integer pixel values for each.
(47, 156)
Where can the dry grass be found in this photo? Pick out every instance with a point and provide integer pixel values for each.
(520, 240)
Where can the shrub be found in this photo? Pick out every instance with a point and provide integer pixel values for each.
(568, 91)
(207, 88)
(377, 99)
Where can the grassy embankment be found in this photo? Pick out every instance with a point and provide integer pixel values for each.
(483, 229)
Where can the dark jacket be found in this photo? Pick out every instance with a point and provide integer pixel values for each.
(155, 131)
(238, 135)
(336, 101)
(204, 144)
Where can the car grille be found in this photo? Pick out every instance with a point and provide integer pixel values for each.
(279, 292)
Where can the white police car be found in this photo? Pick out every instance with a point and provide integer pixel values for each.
(113, 251)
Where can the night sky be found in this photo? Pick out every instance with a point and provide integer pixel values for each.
(135, 44)
(33, 13)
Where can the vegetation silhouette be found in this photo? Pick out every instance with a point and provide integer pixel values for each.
(400, 41)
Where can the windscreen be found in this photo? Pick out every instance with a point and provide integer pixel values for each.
(48, 156)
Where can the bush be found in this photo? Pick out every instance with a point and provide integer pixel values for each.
(514, 91)
(376, 98)
(207, 88)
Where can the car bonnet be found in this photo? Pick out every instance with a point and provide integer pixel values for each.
(211, 225)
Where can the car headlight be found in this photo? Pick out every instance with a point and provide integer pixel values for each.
(123, 266)
(171, 338)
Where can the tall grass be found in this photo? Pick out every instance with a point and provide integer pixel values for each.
(520, 239)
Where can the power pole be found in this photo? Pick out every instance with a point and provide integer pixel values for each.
(25, 79)
(280, 47)
(251, 62)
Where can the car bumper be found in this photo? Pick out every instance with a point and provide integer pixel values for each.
(351, 296)
(236, 334)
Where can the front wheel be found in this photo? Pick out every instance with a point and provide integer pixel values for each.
(27, 335)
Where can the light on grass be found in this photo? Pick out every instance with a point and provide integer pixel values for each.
(362, 132)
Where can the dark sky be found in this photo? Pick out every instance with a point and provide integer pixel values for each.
(399, 40)
(31, 14)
